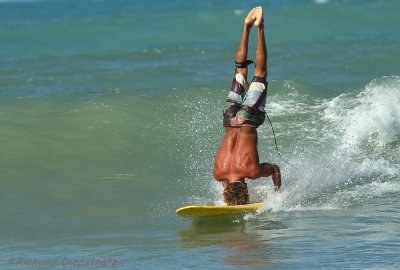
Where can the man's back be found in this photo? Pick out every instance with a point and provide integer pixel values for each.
(237, 157)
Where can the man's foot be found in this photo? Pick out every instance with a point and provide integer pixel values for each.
(255, 16)
(259, 16)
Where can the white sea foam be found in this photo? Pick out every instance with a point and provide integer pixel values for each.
(238, 12)
(356, 151)
(340, 150)
(285, 107)
(320, 2)
(374, 113)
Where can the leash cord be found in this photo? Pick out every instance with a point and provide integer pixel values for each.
(279, 153)
(276, 144)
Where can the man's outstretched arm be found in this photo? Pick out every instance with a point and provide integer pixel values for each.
(274, 171)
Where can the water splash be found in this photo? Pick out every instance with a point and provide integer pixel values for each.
(356, 151)
(342, 150)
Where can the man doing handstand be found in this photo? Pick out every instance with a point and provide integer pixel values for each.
(237, 157)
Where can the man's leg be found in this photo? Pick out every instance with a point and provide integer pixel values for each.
(239, 81)
(261, 52)
(253, 105)
(241, 52)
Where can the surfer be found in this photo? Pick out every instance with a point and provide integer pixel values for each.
(237, 157)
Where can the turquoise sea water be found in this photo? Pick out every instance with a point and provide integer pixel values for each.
(110, 118)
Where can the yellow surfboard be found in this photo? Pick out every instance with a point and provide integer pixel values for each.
(198, 211)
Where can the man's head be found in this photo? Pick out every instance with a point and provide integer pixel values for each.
(236, 193)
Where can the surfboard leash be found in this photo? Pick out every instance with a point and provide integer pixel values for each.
(279, 153)
(276, 144)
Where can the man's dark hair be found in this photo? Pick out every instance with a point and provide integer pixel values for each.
(236, 193)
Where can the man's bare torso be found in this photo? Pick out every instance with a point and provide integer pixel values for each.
(237, 157)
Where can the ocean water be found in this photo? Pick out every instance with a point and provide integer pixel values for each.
(110, 118)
